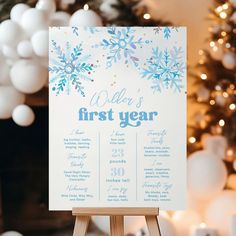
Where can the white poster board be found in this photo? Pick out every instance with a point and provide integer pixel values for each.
(117, 117)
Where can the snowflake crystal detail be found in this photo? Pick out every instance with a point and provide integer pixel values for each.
(121, 45)
(91, 29)
(75, 30)
(166, 31)
(165, 69)
(69, 69)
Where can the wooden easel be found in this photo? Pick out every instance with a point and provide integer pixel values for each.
(83, 216)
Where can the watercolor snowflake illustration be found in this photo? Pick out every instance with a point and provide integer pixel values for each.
(91, 29)
(69, 69)
(166, 31)
(121, 44)
(75, 30)
(165, 69)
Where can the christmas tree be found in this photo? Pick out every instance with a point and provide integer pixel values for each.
(216, 82)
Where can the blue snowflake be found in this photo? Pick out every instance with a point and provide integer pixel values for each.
(69, 69)
(121, 44)
(91, 29)
(165, 69)
(75, 30)
(166, 31)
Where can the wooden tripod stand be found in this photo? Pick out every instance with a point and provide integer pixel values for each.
(83, 216)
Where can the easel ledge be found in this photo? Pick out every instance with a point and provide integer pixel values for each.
(83, 215)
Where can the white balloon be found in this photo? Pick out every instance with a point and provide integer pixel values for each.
(184, 220)
(85, 18)
(203, 93)
(166, 226)
(40, 43)
(34, 20)
(220, 100)
(49, 6)
(132, 223)
(24, 49)
(28, 76)
(196, 205)
(10, 52)
(108, 10)
(10, 33)
(233, 2)
(60, 18)
(217, 144)
(206, 174)
(215, 29)
(11, 233)
(225, 27)
(233, 18)
(229, 60)
(102, 222)
(23, 115)
(4, 73)
(17, 11)
(9, 99)
(220, 211)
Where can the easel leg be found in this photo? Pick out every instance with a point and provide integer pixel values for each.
(153, 226)
(81, 225)
(117, 225)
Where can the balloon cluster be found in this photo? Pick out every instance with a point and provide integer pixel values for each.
(24, 53)
(207, 179)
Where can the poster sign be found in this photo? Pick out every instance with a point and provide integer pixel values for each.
(117, 117)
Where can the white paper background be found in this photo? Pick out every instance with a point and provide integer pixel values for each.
(63, 118)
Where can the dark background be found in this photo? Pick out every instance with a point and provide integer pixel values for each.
(24, 179)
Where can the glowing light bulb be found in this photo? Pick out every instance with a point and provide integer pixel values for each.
(221, 122)
(232, 106)
(200, 52)
(147, 16)
(217, 87)
(227, 45)
(212, 102)
(192, 139)
(225, 95)
(225, 6)
(223, 15)
(212, 44)
(215, 48)
(220, 41)
(201, 61)
(203, 225)
(219, 9)
(86, 7)
(223, 33)
(230, 152)
(203, 76)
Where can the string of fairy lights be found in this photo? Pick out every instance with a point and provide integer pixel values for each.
(216, 78)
